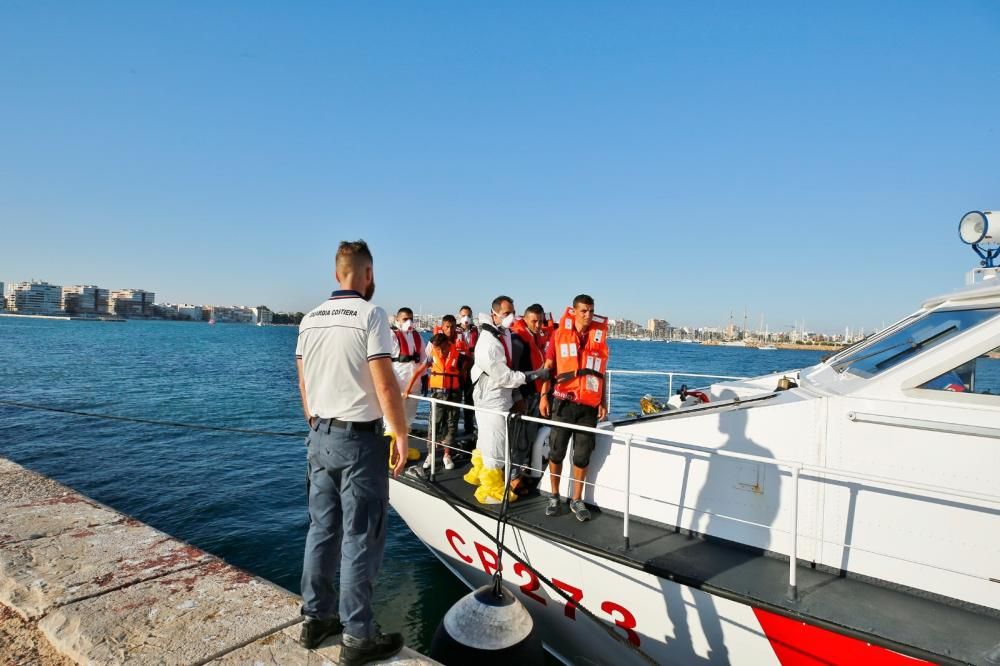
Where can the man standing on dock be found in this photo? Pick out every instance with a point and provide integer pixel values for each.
(347, 384)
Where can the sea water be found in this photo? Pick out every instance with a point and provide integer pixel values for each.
(238, 496)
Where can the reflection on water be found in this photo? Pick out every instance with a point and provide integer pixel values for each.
(241, 497)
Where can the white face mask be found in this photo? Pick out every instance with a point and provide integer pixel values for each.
(507, 321)
(465, 320)
(405, 325)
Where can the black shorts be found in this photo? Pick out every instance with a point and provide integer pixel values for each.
(565, 411)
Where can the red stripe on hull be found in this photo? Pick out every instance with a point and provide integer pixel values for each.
(796, 643)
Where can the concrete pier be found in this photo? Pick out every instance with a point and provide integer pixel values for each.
(82, 583)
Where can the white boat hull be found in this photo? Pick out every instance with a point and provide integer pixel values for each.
(669, 622)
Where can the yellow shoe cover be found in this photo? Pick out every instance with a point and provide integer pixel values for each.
(472, 476)
(491, 487)
(413, 454)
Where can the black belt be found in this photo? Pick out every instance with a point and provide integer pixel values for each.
(360, 426)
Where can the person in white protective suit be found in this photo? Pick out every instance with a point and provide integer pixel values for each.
(493, 381)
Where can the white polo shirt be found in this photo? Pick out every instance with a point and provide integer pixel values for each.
(337, 339)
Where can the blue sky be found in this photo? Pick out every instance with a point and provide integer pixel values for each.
(678, 160)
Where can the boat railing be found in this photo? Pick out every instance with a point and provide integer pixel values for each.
(794, 468)
(661, 373)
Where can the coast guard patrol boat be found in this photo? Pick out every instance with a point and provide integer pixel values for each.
(847, 512)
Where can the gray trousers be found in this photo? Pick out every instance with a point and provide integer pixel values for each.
(348, 502)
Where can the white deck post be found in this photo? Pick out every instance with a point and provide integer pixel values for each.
(432, 449)
(670, 385)
(506, 451)
(628, 488)
(608, 375)
(793, 591)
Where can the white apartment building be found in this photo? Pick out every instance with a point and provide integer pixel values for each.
(262, 316)
(35, 297)
(84, 299)
(236, 314)
(3, 297)
(131, 302)
(193, 312)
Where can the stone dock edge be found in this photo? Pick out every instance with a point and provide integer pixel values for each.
(104, 588)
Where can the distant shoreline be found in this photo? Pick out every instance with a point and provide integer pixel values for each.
(14, 315)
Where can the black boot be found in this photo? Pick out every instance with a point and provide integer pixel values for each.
(314, 631)
(358, 651)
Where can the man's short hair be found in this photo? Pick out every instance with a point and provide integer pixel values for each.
(449, 318)
(404, 311)
(500, 300)
(583, 298)
(535, 308)
(465, 307)
(439, 339)
(353, 256)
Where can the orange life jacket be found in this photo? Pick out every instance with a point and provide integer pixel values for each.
(444, 369)
(534, 346)
(580, 371)
(406, 353)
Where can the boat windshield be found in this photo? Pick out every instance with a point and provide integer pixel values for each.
(907, 341)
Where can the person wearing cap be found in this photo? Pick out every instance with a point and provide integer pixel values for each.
(347, 385)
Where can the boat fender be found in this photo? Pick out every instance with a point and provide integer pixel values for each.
(485, 630)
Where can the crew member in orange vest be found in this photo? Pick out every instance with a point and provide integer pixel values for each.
(578, 356)
(527, 353)
(444, 362)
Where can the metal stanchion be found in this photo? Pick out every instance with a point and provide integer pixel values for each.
(432, 449)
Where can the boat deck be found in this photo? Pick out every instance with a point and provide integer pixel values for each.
(942, 631)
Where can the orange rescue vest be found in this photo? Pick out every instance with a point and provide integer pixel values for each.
(444, 369)
(580, 370)
(548, 328)
(533, 344)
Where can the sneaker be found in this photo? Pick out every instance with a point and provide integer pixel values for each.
(580, 509)
(552, 508)
(427, 461)
(448, 464)
(358, 651)
(314, 631)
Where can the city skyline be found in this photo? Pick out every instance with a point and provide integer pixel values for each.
(677, 161)
(657, 324)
